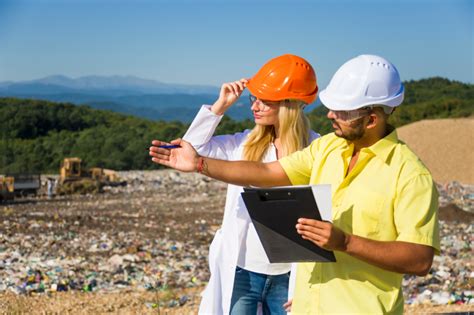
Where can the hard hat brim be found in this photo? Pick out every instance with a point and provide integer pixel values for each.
(333, 103)
(267, 96)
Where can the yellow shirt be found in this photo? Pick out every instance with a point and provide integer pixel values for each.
(388, 196)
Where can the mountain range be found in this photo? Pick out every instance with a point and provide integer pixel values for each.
(102, 85)
(145, 98)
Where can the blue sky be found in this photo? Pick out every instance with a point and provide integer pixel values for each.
(210, 42)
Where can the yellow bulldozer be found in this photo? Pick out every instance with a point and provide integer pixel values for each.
(73, 178)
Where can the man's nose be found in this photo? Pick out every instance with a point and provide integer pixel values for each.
(331, 115)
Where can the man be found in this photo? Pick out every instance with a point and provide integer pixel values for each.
(384, 200)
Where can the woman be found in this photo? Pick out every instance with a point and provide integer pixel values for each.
(241, 276)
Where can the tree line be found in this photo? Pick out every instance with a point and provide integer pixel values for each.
(432, 98)
(36, 135)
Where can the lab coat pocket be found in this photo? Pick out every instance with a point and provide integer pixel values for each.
(367, 214)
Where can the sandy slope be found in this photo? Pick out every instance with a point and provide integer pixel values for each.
(446, 146)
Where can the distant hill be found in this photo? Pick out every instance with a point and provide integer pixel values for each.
(445, 146)
(161, 101)
(168, 107)
(36, 135)
(101, 85)
(125, 94)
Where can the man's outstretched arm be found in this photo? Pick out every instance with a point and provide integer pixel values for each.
(242, 173)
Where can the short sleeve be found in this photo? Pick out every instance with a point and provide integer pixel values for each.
(299, 165)
(416, 212)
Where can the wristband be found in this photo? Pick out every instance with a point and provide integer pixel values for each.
(200, 164)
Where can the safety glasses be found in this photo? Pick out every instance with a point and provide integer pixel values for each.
(349, 116)
(262, 105)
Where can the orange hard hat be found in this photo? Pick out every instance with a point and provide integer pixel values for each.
(285, 77)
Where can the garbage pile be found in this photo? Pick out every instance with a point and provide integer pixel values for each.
(457, 194)
(451, 278)
(154, 234)
(111, 266)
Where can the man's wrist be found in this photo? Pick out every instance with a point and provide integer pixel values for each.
(200, 164)
(347, 242)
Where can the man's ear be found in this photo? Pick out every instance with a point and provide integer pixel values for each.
(373, 120)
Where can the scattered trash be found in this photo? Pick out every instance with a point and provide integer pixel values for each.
(154, 235)
(457, 194)
(451, 279)
(151, 305)
(131, 237)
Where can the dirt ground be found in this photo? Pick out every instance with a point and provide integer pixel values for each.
(446, 146)
(147, 213)
(151, 215)
(143, 303)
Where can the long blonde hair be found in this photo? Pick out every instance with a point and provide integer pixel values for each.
(294, 130)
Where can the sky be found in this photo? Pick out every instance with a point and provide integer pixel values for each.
(211, 42)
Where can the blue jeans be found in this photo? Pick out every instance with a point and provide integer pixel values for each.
(251, 288)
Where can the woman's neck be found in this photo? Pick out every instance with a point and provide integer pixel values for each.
(277, 144)
(276, 132)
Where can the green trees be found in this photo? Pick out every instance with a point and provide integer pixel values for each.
(431, 98)
(36, 135)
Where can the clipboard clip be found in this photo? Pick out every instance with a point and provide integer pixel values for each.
(276, 195)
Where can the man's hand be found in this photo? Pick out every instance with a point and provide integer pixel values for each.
(287, 305)
(396, 256)
(322, 233)
(183, 159)
(230, 92)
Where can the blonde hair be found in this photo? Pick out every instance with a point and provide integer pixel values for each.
(294, 129)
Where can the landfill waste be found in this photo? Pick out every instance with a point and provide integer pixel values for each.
(457, 194)
(451, 278)
(150, 236)
(153, 235)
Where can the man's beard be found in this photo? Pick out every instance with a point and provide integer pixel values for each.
(356, 133)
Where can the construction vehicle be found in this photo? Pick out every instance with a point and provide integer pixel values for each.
(73, 178)
(71, 170)
(25, 184)
(7, 189)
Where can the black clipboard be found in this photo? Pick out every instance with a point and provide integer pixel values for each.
(274, 213)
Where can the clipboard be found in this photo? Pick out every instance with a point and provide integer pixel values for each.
(274, 213)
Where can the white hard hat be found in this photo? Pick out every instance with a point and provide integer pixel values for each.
(363, 81)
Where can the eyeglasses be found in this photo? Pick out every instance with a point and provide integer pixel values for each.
(263, 105)
(349, 116)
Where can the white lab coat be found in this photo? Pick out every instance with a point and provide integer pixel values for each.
(225, 247)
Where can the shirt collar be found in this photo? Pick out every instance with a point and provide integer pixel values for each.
(385, 146)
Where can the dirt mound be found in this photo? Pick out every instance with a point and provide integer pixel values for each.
(446, 147)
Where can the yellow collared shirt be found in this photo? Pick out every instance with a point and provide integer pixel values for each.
(389, 195)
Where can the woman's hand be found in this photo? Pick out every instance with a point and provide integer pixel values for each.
(230, 92)
(184, 158)
(287, 305)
